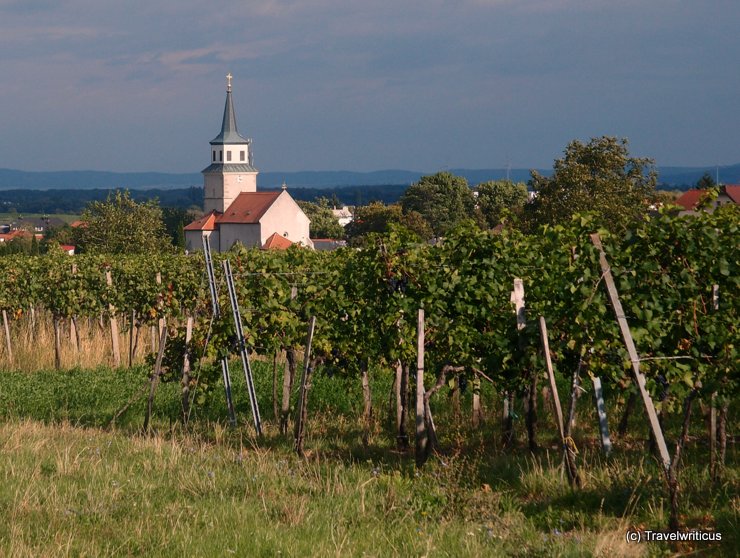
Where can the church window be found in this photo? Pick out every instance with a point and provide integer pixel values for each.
(214, 155)
(228, 155)
(241, 155)
(220, 155)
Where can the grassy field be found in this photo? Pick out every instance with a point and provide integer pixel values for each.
(75, 485)
(10, 217)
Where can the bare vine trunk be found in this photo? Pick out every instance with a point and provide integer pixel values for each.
(288, 379)
(507, 438)
(275, 411)
(532, 411)
(674, 487)
(628, 407)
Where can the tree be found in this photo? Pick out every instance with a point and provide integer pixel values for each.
(442, 199)
(599, 176)
(120, 225)
(496, 198)
(323, 222)
(706, 182)
(379, 218)
(175, 219)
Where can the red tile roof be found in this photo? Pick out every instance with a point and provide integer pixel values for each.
(277, 242)
(205, 223)
(690, 199)
(12, 235)
(248, 207)
(733, 192)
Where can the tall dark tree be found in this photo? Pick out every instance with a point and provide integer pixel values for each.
(706, 182)
(599, 176)
(442, 199)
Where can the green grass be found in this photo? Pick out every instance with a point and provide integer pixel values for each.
(73, 485)
(66, 217)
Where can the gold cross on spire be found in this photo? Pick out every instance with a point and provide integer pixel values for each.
(228, 81)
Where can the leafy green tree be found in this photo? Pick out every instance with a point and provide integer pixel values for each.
(442, 199)
(380, 218)
(496, 198)
(323, 222)
(599, 176)
(120, 225)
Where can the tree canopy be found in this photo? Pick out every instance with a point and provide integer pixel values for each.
(496, 198)
(323, 222)
(442, 199)
(120, 225)
(380, 218)
(598, 176)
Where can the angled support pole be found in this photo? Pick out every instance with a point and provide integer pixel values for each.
(242, 346)
(217, 314)
(632, 351)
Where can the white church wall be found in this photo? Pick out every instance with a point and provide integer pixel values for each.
(247, 234)
(193, 242)
(287, 219)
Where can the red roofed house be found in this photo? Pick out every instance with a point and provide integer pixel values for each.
(234, 210)
(691, 199)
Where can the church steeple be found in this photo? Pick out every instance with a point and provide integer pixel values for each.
(231, 170)
(229, 132)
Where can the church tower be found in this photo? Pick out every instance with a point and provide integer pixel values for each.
(231, 170)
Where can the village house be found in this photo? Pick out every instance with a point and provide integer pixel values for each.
(692, 199)
(235, 212)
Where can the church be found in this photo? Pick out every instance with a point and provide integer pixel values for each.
(234, 210)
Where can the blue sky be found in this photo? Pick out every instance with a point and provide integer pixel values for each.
(366, 85)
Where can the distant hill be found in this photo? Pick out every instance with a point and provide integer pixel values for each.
(678, 177)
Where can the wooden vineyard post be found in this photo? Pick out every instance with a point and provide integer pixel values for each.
(717, 424)
(55, 322)
(131, 345)
(422, 435)
(606, 442)
(302, 414)
(634, 357)
(476, 416)
(402, 405)
(186, 371)
(8, 344)
(74, 335)
(569, 451)
(113, 325)
(155, 379)
(160, 305)
(288, 378)
(551, 377)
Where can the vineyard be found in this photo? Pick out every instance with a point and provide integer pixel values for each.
(474, 310)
